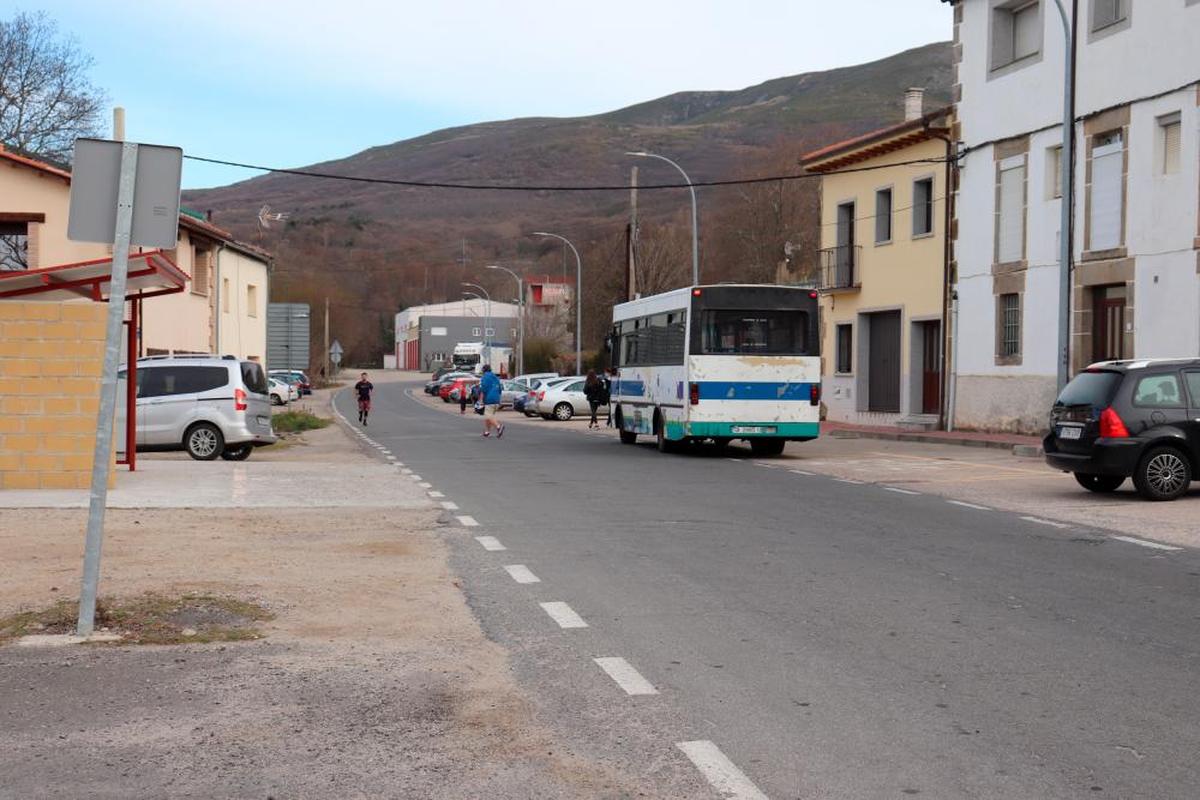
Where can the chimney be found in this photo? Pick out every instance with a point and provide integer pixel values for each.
(208, 215)
(914, 104)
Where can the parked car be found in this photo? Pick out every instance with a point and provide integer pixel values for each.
(1133, 418)
(434, 386)
(519, 402)
(533, 405)
(294, 377)
(458, 383)
(563, 400)
(282, 392)
(210, 406)
(529, 406)
(460, 386)
(533, 377)
(510, 390)
(445, 369)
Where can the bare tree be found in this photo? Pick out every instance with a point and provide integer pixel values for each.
(46, 99)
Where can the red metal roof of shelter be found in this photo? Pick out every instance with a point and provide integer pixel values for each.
(150, 274)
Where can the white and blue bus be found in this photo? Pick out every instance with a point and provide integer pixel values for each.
(718, 363)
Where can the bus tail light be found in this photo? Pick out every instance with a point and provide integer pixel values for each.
(814, 394)
(239, 400)
(694, 393)
(1112, 426)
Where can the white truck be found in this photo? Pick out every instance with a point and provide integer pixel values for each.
(471, 356)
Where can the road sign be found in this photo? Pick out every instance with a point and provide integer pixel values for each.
(335, 352)
(95, 177)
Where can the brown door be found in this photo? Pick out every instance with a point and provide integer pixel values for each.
(883, 377)
(931, 367)
(1108, 323)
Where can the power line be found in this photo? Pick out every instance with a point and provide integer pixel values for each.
(537, 188)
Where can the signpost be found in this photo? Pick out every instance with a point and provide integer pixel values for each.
(335, 354)
(125, 194)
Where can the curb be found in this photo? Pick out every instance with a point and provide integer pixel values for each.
(1021, 450)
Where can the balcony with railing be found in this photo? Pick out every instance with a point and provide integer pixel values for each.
(840, 268)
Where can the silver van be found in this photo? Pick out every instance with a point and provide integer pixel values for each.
(209, 406)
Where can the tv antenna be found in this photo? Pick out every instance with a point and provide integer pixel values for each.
(266, 217)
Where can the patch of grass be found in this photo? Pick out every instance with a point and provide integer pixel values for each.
(297, 421)
(150, 619)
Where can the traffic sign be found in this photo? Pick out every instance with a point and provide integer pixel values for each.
(335, 352)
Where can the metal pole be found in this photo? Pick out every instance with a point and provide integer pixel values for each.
(108, 392)
(578, 298)
(131, 356)
(520, 316)
(695, 219)
(328, 370)
(487, 317)
(1064, 237)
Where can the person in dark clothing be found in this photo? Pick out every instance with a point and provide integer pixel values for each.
(464, 394)
(606, 394)
(363, 390)
(593, 390)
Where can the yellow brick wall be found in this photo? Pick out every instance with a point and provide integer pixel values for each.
(50, 359)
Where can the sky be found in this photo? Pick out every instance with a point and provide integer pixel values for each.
(297, 82)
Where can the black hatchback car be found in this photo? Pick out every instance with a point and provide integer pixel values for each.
(1122, 419)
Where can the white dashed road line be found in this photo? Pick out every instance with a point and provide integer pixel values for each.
(718, 770)
(1047, 522)
(435, 494)
(490, 543)
(468, 522)
(968, 505)
(521, 573)
(449, 506)
(847, 480)
(425, 485)
(416, 477)
(899, 491)
(625, 675)
(564, 615)
(800, 472)
(1144, 543)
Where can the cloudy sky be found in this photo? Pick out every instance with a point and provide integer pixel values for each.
(296, 82)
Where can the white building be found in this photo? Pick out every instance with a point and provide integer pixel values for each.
(1136, 291)
(426, 335)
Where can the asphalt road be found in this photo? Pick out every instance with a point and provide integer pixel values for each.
(830, 639)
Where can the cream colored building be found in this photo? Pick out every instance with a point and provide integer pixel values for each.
(883, 267)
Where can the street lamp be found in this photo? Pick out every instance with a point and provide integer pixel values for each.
(1067, 162)
(578, 298)
(487, 321)
(695, 227)
(520, 316)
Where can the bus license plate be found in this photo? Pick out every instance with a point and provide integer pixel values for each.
(1069, 432)
(753, 428)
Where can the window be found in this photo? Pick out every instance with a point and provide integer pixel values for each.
(251, 300)
(922, 207)
(161, 381)
(490, 332)
(1169, 144)
(1016, 32)
(845, 353)
(254, 377)
(200, 272)
(1193, 384)
(476, 332)
(754, 332)
(1108, 12)
(1010, 325)
(656, 340)
(1158, 391)
(1010, 222)
(1107, 192)
(1054, 172)
(14, 246)
(883, 216)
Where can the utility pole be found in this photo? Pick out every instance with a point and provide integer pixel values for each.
(631, 239)
(328, 374)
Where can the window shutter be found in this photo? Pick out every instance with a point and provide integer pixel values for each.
(1105, 216)
(1002, 37)
(1027, 32)
(1172, 146)
(1011, 233)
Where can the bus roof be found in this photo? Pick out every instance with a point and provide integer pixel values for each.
(681, 298)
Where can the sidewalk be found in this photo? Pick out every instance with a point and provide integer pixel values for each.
(1016, 443)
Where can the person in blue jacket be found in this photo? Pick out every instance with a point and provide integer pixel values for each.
(490, 390)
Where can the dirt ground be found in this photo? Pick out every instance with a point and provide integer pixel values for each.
(373, 679)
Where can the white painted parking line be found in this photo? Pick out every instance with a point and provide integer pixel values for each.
(1144, 543)
(718, 770)
(564, 615)
(800, 472)
(449, 506)
(1047, 522)
(847, 480)
(490, 543)
(968, 505)
(625, 675)
(468, 522)
(521, 573)
(899, 491)
(435, 494)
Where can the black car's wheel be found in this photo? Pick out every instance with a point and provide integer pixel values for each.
(1164, 473)
(664, 444)
(1101, 484)
(237, 452)
(563, 412)
(767, 447)
(203, 441)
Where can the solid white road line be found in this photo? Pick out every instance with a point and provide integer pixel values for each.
(626, 676)
(564, 615)
(899, 491)
(435, 494)
(490, 543)
(1144, 543)
(968, 505)
(468, 522)
(718, 770)
(799, 472)
(449, 506)
(521, 573)
(847, 480)
(1048, 522)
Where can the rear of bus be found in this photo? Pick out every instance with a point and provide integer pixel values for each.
(753, 365)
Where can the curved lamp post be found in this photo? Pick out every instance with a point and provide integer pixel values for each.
(578, 298)
(487, 320)
(520, 316)
(695, 227)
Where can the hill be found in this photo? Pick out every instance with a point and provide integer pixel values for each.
(382, 247)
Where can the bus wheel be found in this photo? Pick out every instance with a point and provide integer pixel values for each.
(665, 445)
(767, 447)
(627, 437)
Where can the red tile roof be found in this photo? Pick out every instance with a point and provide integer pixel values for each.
(33, 163)
(886, 139)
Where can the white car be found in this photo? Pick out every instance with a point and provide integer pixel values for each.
(561, 401)
(282, 392)
(534, 398)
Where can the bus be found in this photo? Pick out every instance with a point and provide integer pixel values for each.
(718, 363)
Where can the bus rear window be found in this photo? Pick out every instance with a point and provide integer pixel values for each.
(767, 333)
